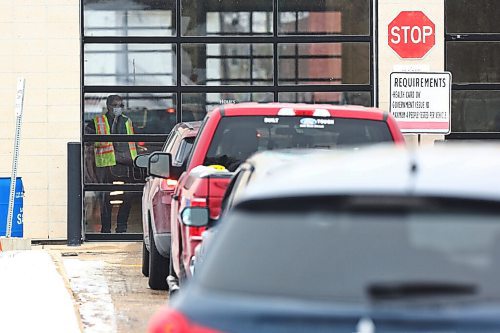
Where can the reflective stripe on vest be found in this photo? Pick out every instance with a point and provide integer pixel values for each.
(104, 151)
(131, 145)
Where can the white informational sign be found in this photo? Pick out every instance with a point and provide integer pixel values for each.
(421, 102)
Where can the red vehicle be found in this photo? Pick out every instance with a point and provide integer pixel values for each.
(231, 133)
(156, 199)
(204, 186)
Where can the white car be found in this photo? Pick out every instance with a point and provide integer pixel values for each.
(382, 239)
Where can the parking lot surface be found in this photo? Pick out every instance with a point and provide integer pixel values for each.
(106, 281)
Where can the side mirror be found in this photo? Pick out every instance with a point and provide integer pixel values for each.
(159, 164)
(195, 216)
(141, 161)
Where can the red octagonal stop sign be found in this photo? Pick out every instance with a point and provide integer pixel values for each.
(412, 34)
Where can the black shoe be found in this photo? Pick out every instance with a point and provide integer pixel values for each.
(105, 231)
(121, 231)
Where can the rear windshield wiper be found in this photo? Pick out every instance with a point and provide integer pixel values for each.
(383, 291)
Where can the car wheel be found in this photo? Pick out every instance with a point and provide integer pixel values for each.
(145, 259)
(158, 266)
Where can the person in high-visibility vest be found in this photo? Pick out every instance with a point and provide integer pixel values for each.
(113, 160)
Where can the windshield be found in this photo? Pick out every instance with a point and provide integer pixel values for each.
(357, 256)
(237, 138)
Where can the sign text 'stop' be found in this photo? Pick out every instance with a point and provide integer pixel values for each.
(411, 34)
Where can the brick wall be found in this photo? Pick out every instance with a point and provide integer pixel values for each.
(39, 40)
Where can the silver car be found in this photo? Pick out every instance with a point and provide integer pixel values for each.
(382, 239)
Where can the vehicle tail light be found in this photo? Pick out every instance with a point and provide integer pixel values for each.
(195, 231)
(305, 113)
(198, 202)
(168, 184)
(170, 321)
(170, 110)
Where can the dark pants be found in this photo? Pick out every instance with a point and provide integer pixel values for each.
(105, 176)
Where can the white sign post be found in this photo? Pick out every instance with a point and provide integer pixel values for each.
(421, 102)
(13, 178)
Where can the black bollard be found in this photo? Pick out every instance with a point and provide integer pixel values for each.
(74, 232)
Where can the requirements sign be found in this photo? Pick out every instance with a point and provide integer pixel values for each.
(421, 102)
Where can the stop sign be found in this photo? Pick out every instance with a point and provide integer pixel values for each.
(412, 34)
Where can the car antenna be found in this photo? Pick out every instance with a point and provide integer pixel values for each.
(413, 167)
(413, 163)
(413, 170)
(365, 325)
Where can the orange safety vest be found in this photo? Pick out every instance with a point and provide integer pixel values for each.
(104, 151)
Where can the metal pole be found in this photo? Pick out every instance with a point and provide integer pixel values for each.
(15, 159)
(74, 231)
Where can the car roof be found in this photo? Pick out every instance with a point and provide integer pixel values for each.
(272, 109)
(269, 157)
(465, 171)
(267, 162)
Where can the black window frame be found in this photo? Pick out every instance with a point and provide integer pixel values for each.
(469, 37)
(177, 40)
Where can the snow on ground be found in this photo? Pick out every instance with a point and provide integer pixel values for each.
(89, 284)
(33, 296)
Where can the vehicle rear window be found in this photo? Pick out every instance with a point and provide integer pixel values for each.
(236, 138)
(339, 256)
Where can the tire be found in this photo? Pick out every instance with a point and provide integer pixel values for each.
(158, 266)
(145, 260)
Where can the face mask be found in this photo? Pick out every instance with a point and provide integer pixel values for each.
(117, 111)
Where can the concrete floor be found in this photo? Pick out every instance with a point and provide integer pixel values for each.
(106, 281)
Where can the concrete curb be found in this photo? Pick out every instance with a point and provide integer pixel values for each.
(56, 258)
(14, 244)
